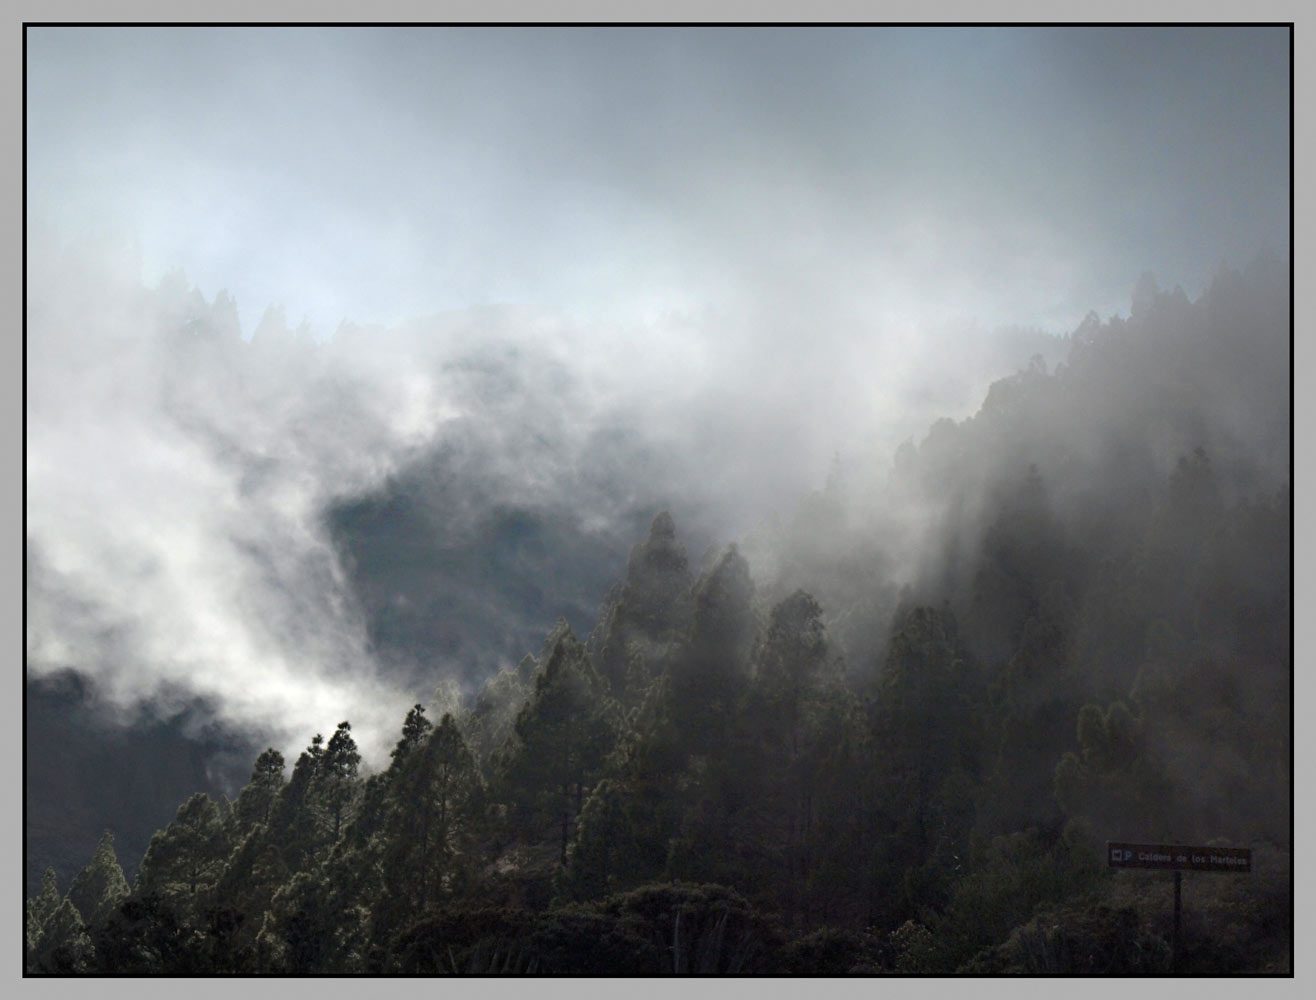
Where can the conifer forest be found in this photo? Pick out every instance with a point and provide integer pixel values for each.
(642, 499)
(891, 732)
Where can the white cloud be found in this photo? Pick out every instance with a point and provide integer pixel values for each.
(761, 247)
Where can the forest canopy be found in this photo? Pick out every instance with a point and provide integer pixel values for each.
(889, 733)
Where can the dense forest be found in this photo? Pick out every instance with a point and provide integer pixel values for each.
(890, 733)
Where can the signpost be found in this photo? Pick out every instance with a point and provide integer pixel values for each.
(1172, 857)
(1179, 859)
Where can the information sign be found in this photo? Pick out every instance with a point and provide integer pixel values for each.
(1175, 857)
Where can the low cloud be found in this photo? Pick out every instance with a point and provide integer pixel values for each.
(735, 256)
(182, 480)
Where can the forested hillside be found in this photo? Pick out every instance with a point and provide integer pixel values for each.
(890, 733)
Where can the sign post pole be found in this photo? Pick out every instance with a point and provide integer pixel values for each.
(1179, 859)
(1178, 908)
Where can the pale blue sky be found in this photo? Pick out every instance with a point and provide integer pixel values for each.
(1008, 175)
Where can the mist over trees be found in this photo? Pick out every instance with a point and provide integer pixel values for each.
(890, 732)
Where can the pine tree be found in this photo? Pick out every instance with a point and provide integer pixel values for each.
(563, 735)
(252, 874)
(492, 719)
(296, 935)
(186, 858)
(334, 787)
(789, 662)
(605, 856)
(786, 746)
(646, 616)
(710, 674)
(100, 887)
(64, 946)
(294, 829)
(415, 728)
(256, 800)
(432, 833)
(40, 908)
(927, 738)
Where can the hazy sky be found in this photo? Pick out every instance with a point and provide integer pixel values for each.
(764, 246)
(1008, 175)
